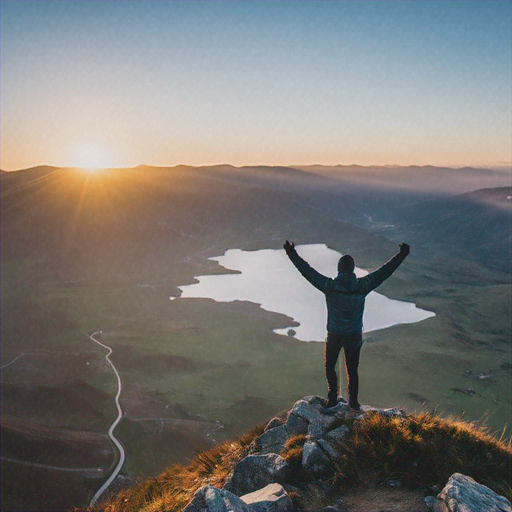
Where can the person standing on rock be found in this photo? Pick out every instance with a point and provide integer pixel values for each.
(345, 296)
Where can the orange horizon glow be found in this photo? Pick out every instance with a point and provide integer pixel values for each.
(92, 157)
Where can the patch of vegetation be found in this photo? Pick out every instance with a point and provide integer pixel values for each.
(292, 452)
(423, 450)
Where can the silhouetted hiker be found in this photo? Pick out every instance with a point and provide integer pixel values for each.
(345, 296)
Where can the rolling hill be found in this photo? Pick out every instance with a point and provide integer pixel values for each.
(476, 226)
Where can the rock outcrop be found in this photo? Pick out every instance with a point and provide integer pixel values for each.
(259, 482)
(324, 429)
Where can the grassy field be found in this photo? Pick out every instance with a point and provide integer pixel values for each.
(221, 362)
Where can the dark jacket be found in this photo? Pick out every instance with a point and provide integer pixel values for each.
(345, 294)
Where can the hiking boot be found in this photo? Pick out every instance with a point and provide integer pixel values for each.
(332, 401)
(355, 406)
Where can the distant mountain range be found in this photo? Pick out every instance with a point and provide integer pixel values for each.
(116, 220)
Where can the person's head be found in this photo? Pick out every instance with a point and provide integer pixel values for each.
(346, 263)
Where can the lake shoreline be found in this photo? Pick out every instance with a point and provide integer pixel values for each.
(266, 277)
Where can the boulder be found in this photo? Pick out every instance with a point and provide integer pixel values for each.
(272, 498)
(322, 451)
(316, 401)
(256, 471)
(317, 428)
(329, 449)
(337, 435)
(308, 416)
(272, 440)
(306, 411)
(314, 458)
(211, 499)
(463, 494)
(296, 425)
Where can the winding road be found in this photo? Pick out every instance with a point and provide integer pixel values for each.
(116, 442)
(13, 361)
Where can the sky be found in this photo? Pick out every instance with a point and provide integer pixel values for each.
(255, 82)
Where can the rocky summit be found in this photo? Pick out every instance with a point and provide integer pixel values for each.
(263, 480)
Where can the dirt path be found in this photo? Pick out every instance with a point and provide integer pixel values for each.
(385, 500)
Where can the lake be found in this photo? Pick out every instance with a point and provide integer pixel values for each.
(267, 277)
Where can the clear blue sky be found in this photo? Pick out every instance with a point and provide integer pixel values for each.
(255, 82)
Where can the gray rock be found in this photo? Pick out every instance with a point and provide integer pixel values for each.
(319, 403)
(338, 434)
(274, 422)
(210, 499)
(314, 458)
(306, 410)
(463, 494)
(272, 498)
(318, 455)
(314, 400)
(296, 425)
(391, 412)
(329, 449)
(318, 427)
(256, 471)
(272, 440)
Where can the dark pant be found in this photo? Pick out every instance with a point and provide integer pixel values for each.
(351, 343)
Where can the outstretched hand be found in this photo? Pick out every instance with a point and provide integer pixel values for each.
(289, 247)
(405, 249)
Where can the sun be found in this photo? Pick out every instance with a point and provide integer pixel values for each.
(92, 158)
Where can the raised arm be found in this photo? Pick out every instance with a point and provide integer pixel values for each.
(315, 278)
(377, 277)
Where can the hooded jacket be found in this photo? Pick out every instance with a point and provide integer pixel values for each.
(345, 294)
